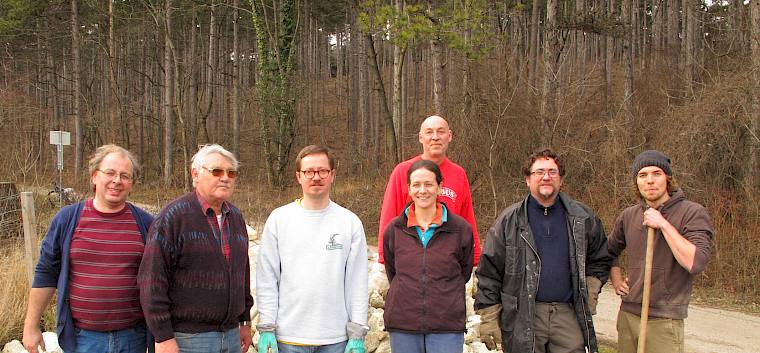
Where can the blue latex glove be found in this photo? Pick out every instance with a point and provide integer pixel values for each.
(267, 340)
(354, 346)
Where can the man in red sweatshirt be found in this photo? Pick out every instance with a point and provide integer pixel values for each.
(434, 136)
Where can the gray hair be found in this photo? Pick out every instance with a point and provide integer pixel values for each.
(199, 159)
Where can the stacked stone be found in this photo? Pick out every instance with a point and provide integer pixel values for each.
(377, 339)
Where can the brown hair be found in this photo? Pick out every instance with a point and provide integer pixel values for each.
(315, 149)
(545, 153)
(427, 165)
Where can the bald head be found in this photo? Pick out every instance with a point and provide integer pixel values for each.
(434, 136)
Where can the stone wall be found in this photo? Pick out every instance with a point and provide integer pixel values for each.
(377, 340)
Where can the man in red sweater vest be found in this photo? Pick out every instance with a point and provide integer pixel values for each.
(434, 136)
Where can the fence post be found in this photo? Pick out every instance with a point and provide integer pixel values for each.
(30, 232)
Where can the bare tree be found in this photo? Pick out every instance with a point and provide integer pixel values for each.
(167, 99)
(754, 169)
(235, 81)
(77, 112)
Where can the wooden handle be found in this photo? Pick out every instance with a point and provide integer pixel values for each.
(647, 289)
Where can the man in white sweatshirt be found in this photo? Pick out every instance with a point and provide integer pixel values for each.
(311, 275)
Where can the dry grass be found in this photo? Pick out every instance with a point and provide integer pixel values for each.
(13, 293)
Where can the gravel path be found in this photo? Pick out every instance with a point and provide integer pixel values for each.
(707, 330)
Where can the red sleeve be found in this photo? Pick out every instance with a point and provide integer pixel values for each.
(393, 203)
(467, 212)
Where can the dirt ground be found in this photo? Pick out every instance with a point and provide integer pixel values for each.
(707, 330)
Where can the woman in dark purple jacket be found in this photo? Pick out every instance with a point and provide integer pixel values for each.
(428, 260)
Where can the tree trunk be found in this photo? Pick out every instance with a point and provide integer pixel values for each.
(167, 103)
(626, 17)
(551, 52)
(439, 65)
(76, 111)
(399, 52)
(192, 91)
(609, 54)
(673, 31)
(235, 82)
(689, 45)
(209, 87)
(754, 167)
(534, 45)
(390, 137)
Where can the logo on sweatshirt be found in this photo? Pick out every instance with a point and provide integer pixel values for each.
(450, 193)
(332, 244)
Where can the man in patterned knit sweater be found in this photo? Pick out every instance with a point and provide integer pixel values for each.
(91, 254)
(195, 276)
(311, 275)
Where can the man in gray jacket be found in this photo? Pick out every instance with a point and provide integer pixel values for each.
(542, 267)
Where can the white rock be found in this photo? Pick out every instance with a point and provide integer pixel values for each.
(14, 347)
(480, 347)
(376, 300)
(466, 349)
(470, 305)
(51, 343)
(372, 340)
(384, 347)
(377, 279)
(253, 235)
(375, 321)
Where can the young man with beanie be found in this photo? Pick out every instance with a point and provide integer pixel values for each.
(682, 243)
(543, 265)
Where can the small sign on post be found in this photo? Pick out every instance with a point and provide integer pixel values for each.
(60, 139)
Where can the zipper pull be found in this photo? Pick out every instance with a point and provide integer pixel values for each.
(546, 211)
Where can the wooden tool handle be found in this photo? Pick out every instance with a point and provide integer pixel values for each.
(647, 289)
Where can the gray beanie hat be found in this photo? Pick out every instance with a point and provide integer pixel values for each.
(652, 158)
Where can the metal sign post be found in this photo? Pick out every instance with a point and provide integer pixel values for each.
(60, 139)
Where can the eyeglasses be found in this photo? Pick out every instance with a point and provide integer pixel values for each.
(323, 173)
(218, 172)
(112, 175)
(541, 172)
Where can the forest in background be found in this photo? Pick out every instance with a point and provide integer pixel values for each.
(598, 80)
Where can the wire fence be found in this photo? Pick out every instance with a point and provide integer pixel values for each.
(11, 225)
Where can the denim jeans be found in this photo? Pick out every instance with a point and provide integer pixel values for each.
(328, 348)
(209, 342)
(426, 343)
(131, 340)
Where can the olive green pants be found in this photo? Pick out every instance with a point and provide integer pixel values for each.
(556, 329)
(663, 335)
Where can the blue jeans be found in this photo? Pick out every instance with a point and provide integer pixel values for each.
(130, 340)
(328, 348)
(209, 342)
(426, 343)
